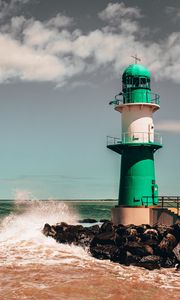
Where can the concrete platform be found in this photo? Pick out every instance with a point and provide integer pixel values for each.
(143, 215)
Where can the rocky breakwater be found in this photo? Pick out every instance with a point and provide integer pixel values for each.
(143, 246)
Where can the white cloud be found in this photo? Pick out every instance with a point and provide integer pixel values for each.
(115, 11)
(169, 126)
(60, 21)
(51, 51)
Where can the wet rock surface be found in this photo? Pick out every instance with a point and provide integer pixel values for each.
(143, 246)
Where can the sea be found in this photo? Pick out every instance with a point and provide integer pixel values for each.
(35, 267)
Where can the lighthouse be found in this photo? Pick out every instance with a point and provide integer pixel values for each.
(138, 189)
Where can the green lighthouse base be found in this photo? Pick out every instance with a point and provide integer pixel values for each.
(142, 215)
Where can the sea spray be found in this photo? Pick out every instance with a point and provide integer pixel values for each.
(21, 237)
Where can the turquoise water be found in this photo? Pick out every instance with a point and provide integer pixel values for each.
(84, 209)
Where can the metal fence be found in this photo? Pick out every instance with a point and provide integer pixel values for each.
(135, 137)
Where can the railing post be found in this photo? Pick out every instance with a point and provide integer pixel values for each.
(178, 206)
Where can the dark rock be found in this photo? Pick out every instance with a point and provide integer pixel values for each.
(104, 238)
(169, 262)
(132, 259)
(119, 255)
(167, 244)
(162, 229)
(120, 240)
(49, 230)
(121, 231)
(176, 231)
(85, 238)
(104, 251)
(94, 228)
(137, 249)
(107, 227)
(66, 237)
(140, 229)
(88, 221)
(151, 233)
(176, 251)
(150, 262)
(149, 249)
(132, 231)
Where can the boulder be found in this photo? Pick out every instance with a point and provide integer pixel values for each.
(176, 231)
(104, 238)
(106, 227)
(132, 259)
(150, 262)
(88, 220)
(137, 249)
(167, 244)
(103, 251)
(176, 251)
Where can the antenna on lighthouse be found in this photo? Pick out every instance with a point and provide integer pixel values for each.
(136, 58)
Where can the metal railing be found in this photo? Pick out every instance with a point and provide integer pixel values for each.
(136, 137)
(143, 97)
(169, 202)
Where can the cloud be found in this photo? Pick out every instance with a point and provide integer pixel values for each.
(7, 8)
(115, 11)
(169, 126)
(60, 21)
(51, 50)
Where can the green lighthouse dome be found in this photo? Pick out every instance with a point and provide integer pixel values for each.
(136, 84)
(136, 70)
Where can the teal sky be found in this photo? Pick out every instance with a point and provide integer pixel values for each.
(60, 65)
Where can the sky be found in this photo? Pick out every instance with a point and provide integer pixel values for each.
(61, 63)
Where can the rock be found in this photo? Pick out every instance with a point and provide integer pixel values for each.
(120, 240)
(119, 255)
(137, 249)
(176, 231)
(49, 230)
(140, 229)
(107, 227)
(85, 238)
(168, 262)
(176, 251)
(132, 259)
(94, 228)
(150, 262)
(167, 244)
(121, 231)
(88, 221)
(132, 231)
(103, 251)
(104, 238)
(151, 233)
(162, 229)
(149, 249)
(66, 237)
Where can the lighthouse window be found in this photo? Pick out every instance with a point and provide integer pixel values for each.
(136, 81)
